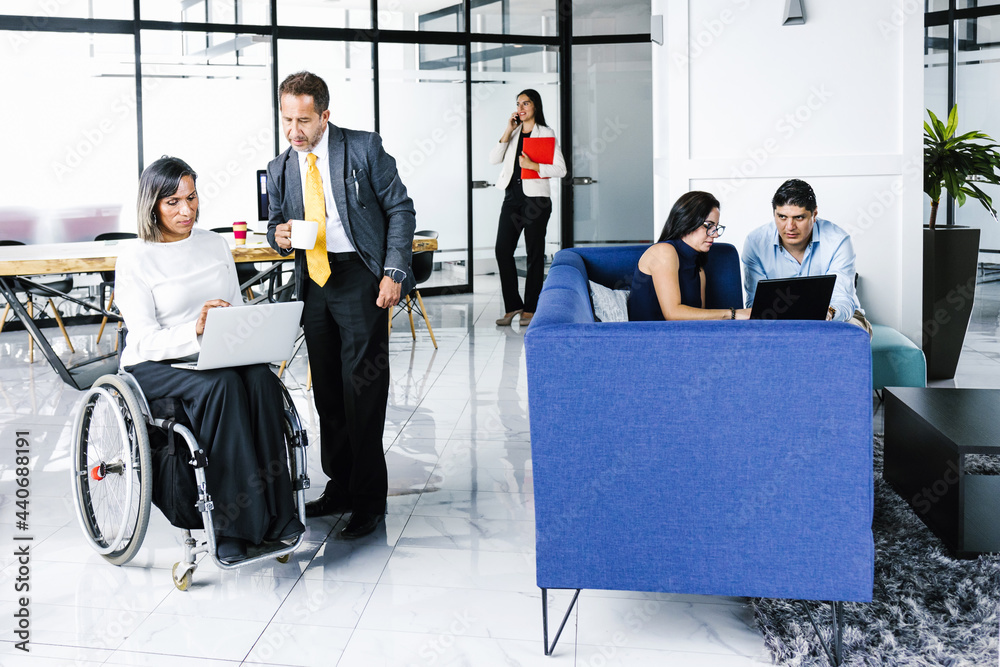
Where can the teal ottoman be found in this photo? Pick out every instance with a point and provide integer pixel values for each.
(896, 361)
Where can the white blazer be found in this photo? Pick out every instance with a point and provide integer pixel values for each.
(533, 187)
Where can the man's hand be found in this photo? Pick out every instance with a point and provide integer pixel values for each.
(199, 325)
(388, 293)
(283, 235)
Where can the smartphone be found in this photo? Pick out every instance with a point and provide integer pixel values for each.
(517, 120)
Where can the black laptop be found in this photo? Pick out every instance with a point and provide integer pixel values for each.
(804, 298)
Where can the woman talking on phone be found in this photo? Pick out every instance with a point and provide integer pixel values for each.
(526, 205)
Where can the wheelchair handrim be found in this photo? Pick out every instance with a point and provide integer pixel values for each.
(78, 478)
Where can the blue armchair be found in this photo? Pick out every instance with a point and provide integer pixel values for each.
(713, 458)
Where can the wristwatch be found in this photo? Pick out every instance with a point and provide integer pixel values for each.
(395, 275)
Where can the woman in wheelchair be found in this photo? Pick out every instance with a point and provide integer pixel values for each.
(165, 287)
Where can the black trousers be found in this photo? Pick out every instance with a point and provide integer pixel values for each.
(348, 341)
(236, 414)
(530, 214)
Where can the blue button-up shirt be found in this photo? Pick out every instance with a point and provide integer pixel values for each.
(830, 251)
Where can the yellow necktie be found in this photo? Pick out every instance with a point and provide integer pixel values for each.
(315, 209)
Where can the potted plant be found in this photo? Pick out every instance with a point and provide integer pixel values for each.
(952, 164)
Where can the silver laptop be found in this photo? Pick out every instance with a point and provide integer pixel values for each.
(244, 335)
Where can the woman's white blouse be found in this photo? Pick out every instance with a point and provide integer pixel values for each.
(160, 289)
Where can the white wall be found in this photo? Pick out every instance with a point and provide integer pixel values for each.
(744, 103)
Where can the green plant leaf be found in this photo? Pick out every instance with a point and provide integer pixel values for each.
(952, 121)
(957, 163)
(984, 198)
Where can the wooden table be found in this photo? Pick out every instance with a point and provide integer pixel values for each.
(95, 256)
(928, 433)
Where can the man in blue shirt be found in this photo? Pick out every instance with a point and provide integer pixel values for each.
(799, 243)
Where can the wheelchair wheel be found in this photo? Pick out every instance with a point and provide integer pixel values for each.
(187, 574)
(295, 439)
(111, 470)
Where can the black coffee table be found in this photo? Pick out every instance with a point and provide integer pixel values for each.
(928, 432)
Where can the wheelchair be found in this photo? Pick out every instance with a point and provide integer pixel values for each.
(112, 476)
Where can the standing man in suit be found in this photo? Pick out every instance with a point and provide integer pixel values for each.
(350, 281)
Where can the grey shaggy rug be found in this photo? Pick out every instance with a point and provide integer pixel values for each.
(928, 609)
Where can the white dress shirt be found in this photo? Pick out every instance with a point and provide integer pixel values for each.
(336, 237)
(829, 251)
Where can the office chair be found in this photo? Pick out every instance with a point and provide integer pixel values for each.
(422, 265)
(108, 277)
(64, 284)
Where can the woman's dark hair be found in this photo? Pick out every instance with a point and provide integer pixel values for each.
(160, 179)
(795, 193)
(536, 101)
(688, 214)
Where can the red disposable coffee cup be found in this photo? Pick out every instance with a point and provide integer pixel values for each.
(240, 232)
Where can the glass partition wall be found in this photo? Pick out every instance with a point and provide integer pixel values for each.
(197, 79)
(612, 147)
(205, 99)
(962, 66)
(70, 118)
(424, 128)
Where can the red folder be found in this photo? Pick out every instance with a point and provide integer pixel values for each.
(540, 150)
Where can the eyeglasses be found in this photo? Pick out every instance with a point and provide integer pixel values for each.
(713, 229)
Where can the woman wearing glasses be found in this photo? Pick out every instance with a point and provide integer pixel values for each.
(669, 281)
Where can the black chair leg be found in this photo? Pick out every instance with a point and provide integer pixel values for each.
(835, 649)
(545, 620)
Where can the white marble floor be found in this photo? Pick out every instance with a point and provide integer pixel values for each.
(447, 580)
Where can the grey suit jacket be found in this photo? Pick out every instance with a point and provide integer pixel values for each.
(378, 215)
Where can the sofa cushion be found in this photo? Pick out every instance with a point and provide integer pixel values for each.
(610, 305)
(896, 361)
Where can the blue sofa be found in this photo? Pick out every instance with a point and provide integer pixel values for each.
(716, 458)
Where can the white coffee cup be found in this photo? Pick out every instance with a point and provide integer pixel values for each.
(304, 233)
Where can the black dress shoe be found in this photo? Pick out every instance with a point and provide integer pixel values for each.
(291, 530)
(361, 524)
(231, 549)
(326, 505)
